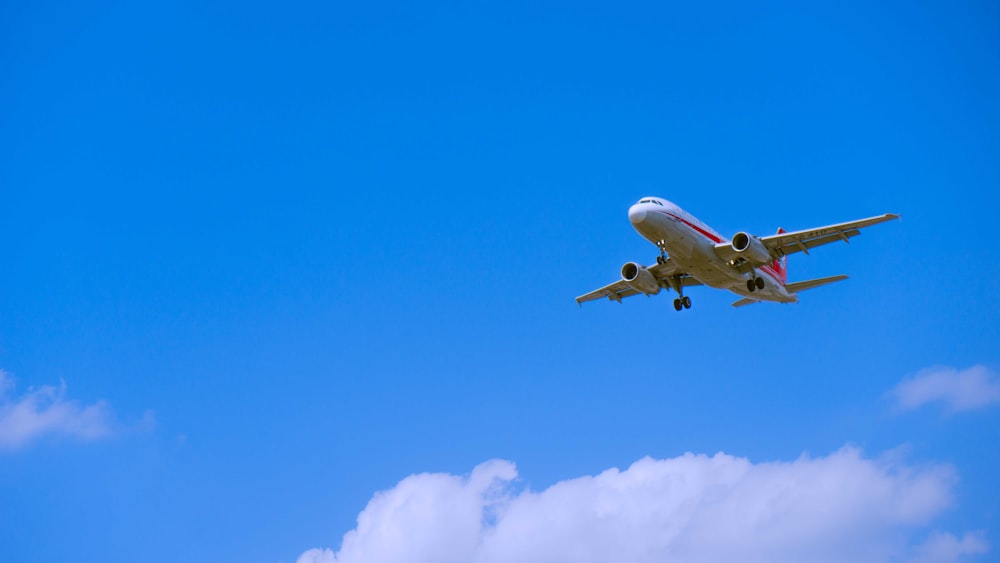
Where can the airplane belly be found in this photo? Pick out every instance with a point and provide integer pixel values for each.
(708, 268)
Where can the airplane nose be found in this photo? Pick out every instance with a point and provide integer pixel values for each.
(637, 214)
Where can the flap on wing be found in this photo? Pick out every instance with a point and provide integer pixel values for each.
(804, 245)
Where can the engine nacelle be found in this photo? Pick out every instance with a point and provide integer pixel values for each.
(640, 279)
(751, 248)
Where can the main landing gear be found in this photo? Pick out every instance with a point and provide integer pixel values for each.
(681, 302)
(755, 283)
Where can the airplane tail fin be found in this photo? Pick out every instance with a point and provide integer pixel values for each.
(781, 265)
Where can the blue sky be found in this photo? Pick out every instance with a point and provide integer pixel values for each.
(290, 255)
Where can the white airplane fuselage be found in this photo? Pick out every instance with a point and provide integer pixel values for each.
(691, 243)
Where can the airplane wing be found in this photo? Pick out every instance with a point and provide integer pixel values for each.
(789, 243)
(616, 291)
(783, 244)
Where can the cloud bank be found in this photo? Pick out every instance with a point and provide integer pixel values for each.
(692, 509)
(47, 411)
(959, 390)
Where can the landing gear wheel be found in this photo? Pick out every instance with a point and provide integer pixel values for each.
(751, 286)
(678, 304)
(660, 260)
(760, 283)
(686, 302)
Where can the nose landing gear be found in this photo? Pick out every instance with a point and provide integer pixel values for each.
(662, 258)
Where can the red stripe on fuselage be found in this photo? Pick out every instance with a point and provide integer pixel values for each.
(707, 234)
(772, 272)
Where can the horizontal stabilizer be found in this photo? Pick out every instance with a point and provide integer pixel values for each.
(809, 284)
(744, 301)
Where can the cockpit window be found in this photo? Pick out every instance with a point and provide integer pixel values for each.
(645, 200)
(651, 201)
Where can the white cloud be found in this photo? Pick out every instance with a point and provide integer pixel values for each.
(47, 411)
(692, 508)
(959, 390)
(946, 548)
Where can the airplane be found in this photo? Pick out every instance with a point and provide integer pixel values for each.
(693, 254)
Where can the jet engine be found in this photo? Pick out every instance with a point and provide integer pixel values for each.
(751, 248)
(640, 279)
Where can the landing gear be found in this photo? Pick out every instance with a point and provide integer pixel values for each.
(755, 283)
(682, 301)
(662, 258)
